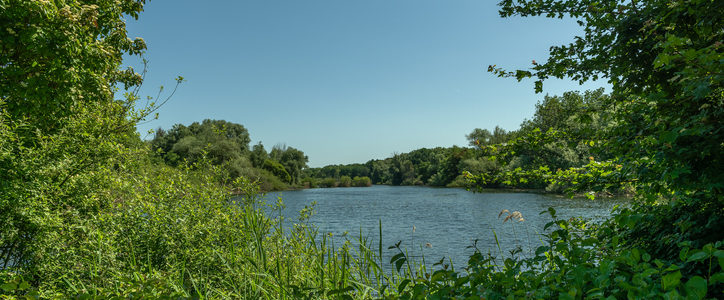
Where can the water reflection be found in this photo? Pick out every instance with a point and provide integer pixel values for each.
(445, 221)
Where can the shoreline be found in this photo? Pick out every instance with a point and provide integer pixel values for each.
(484, 190)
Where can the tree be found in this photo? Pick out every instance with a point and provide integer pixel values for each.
(258, 155)
(294, 161)
(664, 62)
(62, 60)
(220, 140)
(61, 130)
(345, 181)
(277, 169)
(483, 137)
(479, 137)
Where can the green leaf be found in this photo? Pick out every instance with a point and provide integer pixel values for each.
(396, 257)
(697, 256)
(402, 285)
(646, 257)
(671, 280)
(683, 253)
(565, 296)
(438, 275)
(9, 287)
(718, 277)
(399, 263)
(696, 286)
(673, 295)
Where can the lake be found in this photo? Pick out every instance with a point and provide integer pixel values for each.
(437, 222)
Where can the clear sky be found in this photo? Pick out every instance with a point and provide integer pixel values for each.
(346, 81)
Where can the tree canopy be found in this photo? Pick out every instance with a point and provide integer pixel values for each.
(663, 60)
(218, 139)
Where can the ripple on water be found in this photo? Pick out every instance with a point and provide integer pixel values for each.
(448, 219)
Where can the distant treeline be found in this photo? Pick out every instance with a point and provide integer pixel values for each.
(578, 114)
(226, 145)
(436, 167)
(490, 156)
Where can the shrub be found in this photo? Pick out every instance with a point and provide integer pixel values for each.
(345, 181)
(328, 183)
(277, 169)
(574, 262)
(363, 181)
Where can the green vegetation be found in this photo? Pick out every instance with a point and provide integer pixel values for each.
(343, 181)
(564, 134)
(493, 158)
(89, 210)
(661, 137)
(226, 144)
(435, 167)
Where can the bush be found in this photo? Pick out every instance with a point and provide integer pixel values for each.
(277, 169)
(266, 181)
(345, 181)
(328, 183)
(459, 181)
(574, 262)
(363, 181)
(169, 232)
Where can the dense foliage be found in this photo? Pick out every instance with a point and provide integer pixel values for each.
(88, 210)
(495, 156)
(226, 144)
(435, 167)
(662, 138)
(663, 60)
(564, 135)
(61, 127)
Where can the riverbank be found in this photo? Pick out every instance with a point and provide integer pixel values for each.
(604, 195)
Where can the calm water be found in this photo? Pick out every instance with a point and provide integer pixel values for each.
(449, 220)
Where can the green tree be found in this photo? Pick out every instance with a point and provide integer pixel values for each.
(664, 62)
(63, 135)
(479, 137)
(62, 60)
(361, 181)
(294, 161)
(345, 181)
(484, 137)
(277, 169)
(220, 140)
(61, 128)
(258, 155)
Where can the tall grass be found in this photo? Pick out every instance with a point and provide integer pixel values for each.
(170, 233)
(178, 233)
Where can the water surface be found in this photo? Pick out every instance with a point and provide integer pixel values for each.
(437, 222)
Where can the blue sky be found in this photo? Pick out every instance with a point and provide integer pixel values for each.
(346, 81)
